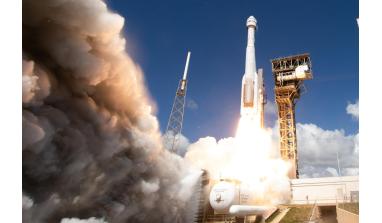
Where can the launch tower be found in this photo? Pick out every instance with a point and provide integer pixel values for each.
(289, 74)
(175, 122)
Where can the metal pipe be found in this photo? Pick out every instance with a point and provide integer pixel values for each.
(186, 67)
(244, 210)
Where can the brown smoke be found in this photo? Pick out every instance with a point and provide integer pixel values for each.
(91, 146)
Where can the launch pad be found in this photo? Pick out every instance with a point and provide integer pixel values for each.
(231, 200)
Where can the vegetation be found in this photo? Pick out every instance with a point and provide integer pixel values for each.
(273, 215)
(351, 207)
(298, 214)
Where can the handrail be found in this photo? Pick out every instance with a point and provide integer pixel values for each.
(314, 207)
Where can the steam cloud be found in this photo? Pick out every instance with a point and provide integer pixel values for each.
(253, 161)
(76, 220)
(92, 151)
(180, 144)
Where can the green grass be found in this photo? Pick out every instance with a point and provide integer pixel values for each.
(298, 214)
(351, 207)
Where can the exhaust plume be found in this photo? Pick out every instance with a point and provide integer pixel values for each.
(250, 157)
(91, 145)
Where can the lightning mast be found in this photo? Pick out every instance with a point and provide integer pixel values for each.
(175, 122)
(289, 74)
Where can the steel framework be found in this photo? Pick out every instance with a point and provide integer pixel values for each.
(287, 91)
(175, 122)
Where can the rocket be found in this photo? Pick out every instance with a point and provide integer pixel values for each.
(252, 89)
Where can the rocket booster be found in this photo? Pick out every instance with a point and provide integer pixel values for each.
(252, 82)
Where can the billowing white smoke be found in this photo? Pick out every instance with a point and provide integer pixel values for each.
(252, 159)
(180, 143)
(27, 202)
(91, 146)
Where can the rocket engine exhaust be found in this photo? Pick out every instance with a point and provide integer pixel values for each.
(249, 172)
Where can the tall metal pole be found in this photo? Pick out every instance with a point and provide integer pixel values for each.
(175, 122)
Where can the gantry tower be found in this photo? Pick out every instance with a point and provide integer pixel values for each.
(175, 122)
(289, 74)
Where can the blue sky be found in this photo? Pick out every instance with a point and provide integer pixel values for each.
(159, 33)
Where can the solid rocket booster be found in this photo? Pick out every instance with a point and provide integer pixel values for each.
(252, 82)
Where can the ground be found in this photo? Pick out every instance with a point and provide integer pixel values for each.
(351, 207)
(298, 214)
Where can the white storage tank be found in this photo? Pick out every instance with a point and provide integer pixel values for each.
(223, 195)
(234, 198)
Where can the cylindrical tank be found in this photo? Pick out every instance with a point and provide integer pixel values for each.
(234, 198)
(224, 194)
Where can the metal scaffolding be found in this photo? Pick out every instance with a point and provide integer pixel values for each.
(289, 74)
(175, 122)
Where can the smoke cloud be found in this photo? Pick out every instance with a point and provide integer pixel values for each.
(91, 145)
(76, 220)
(191, 104)
(252, 159)
(180, 143)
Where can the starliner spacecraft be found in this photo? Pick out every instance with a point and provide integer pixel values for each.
(252, 88)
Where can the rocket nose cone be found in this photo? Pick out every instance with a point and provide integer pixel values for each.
(251, 21)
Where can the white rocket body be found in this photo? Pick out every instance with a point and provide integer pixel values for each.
(252, 83)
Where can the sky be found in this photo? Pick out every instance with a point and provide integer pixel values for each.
(159, 34)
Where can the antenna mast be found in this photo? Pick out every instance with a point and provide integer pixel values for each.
(175, 122)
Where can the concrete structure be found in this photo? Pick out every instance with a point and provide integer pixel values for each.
(289, 74)
(324, 191)
(252, 87)
(344, 216)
